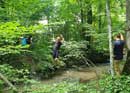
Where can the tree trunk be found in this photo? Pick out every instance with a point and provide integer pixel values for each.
(128, 23)
(82, 16)
(126, 68)
(83, 19)
(85, 16)
(110, 36)
(99, 16)
(89, 14)
(89, 21)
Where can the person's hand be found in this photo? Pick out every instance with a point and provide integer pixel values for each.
(121, 35)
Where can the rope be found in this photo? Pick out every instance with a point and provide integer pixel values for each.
(91, 64)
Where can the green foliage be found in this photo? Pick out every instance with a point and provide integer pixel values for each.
(73, 52)
(42, 55)
(10, 39)
(23, 11)
(64, 87)
(68, 17)
(100, 42)
(1, 85)
(40, 47)
(115, 84)
(11, 32)
(15, 75)
(105, 85)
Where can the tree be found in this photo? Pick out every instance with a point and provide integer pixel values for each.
(110, 36)
(25, 12)
(126, 68)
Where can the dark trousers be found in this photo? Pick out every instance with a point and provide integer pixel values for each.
(55, 53)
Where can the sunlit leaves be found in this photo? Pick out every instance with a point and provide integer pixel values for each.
(22, 10)
(72, 1)
(10, 35)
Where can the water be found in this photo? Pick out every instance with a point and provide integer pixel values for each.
(85, 74)
(77, 74)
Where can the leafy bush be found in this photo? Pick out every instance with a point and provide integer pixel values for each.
(14, 75)
(107, 84)
(10, 34)
(42, 55)
(64, 87)
(100, 42)
(1, 85)
(115, 84)
(73, 52)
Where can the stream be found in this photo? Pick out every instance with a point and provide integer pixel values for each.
(83, 74)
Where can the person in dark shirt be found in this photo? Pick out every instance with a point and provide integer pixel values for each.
(29, 39)
(58, 42)
(118, 52)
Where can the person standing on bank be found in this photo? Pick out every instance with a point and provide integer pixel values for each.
(118, 52)
(58, 42)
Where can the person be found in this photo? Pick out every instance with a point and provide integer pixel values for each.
(23, 41)
(29, 39)
(57, 44)
(118, 52)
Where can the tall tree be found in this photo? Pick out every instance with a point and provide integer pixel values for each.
(110, 35)
(99, 16)
(126, 68)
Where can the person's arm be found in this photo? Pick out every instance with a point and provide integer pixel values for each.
(62, 38)
(122, 38)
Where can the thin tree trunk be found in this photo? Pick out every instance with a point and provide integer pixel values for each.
(128, 23)
(82, 16)
(82, 19)
(89, 14)
(99, 16)
(89, 21)
(110, 36)
(126, 68)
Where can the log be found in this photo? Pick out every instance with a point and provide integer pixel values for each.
(8, 82)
